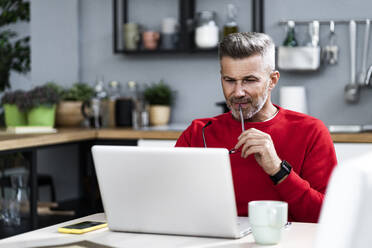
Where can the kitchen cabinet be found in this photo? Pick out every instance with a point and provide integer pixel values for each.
(186, 11)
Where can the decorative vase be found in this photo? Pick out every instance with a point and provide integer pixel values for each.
(42, 116)
(68, 113)
(159, 115)
(13, 116)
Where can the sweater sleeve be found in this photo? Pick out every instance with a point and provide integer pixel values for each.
(185, 139)
(304, 191)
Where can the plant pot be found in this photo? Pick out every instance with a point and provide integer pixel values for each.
(68, 113)
(159, 115)
(13, 116)
(42, 116)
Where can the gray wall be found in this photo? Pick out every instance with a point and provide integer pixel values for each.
(54, 41)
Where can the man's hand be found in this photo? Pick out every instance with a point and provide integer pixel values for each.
(260, 144)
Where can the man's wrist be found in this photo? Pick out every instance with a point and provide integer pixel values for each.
(276, 170)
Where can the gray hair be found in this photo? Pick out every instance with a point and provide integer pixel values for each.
(246, 44)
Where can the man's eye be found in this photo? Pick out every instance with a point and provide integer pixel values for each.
(250, 80)
(229, 80)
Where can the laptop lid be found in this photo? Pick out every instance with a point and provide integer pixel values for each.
(185, 191)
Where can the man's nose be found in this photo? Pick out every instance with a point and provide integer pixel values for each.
(239, 90)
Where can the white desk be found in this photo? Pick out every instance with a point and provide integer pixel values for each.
(298, 235)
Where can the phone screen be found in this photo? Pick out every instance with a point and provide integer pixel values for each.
(85, 224)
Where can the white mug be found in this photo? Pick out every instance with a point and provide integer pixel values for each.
(267, 219)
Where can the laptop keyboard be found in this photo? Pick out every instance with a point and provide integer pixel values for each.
(243, 225)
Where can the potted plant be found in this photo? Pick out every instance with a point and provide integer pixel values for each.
(69, 108)
(160, 97)
(14, 108)
(42, 102)
(14, 53)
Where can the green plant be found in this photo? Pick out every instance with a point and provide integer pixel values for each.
(78, 92)
(14, 53)
(158, 94)
(57, 88)
(15, 97)
(41, 96)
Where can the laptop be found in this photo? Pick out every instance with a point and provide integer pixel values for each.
(181, 191)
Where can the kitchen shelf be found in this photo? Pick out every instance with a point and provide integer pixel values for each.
(186, 16)
(173, 51)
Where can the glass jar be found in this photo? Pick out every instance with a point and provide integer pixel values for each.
(16, 202)
(231, 26)
(206, 31)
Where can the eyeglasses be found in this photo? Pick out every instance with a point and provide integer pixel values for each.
(232, 150)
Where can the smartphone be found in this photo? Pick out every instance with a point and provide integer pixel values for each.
(82, 227)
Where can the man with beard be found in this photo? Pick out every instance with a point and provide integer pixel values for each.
(275, 154)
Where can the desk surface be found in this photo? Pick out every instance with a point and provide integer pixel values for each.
(298, 235)
(66, 135)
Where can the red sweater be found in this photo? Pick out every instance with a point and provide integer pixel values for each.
(302, 140)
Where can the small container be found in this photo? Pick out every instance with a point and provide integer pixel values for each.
(300, 58)
(206, 31)
(231, 25)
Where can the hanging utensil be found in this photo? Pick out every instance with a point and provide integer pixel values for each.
(352, 91)
(362, 75)
(331, 50)
(314, 33)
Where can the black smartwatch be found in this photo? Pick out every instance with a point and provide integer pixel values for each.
(285, 169)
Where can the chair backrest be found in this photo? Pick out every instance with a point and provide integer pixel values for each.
(346, 216)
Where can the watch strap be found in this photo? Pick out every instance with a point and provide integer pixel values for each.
(285, 169)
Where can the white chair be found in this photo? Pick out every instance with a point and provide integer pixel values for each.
(346, 216)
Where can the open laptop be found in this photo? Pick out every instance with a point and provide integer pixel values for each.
(183, 191)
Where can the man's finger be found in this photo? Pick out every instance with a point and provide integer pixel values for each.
(253, 142)
(251, 150)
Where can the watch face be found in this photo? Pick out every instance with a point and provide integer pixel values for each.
(285, 165)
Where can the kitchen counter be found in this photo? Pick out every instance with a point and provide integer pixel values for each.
(364, 137)
(66, 135)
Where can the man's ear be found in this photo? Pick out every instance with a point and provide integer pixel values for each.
(274, 76)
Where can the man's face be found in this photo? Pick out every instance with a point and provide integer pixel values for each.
(245, 82)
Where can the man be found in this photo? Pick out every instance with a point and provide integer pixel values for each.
(282, 155)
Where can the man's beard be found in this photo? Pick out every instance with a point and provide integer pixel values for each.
(253, 106)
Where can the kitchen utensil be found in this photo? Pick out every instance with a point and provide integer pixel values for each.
(352, 91)
(331, 50)
(362, 75)
(94, 114)
(124, 112)
(314, 33)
